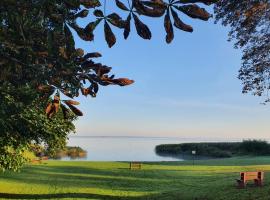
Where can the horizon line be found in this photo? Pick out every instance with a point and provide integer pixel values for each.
(166, 137)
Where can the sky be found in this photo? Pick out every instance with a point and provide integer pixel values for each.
(188, 88)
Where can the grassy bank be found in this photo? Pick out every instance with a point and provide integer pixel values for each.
(208, 179)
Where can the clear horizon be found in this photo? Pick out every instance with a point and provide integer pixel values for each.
(185, 89)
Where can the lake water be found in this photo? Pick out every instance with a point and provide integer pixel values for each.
(128, 148)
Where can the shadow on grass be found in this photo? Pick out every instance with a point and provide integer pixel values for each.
(63, 195)
(86, 177)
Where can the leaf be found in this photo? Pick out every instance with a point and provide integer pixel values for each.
(89, 29)
(122, 81)
(194, 11)
(90, 3)
(52, 112)
(82, 33)
(98, 13)
(75, 110)
(155, 4)
(56, 102)
(120, 5)
(179, 24)
(92, 55)
(168, 27)
(127, 27)
(206, 2)
(116, 20)
(154, 11)
(109, 36)
(48, 108)
(82, 13)
(71, 102)
(141, 28)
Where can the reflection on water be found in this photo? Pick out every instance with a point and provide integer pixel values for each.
(126, 148)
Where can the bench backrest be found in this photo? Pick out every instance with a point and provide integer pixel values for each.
(245, 176)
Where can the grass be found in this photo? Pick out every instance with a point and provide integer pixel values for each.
(207, 180)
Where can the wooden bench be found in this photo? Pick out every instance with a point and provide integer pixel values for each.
(257, 177)
(135, 165)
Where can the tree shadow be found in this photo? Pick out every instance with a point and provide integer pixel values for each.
(63, 195)
(86, 177)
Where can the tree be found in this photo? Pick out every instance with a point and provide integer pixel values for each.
(250, 28)
(39, 62)
(23, 123)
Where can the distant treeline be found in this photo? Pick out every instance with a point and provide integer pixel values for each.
(216, 149)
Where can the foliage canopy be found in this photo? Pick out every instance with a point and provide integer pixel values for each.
(249, 21)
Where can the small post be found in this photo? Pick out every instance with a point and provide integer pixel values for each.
(193, 153)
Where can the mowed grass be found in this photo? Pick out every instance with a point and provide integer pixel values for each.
(208, 179)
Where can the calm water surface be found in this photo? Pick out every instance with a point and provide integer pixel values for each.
(127, 148)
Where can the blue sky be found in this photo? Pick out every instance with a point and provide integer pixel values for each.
(188, 88)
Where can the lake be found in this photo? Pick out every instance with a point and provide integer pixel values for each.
(118, 148)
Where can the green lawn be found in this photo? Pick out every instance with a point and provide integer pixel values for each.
(211, 179)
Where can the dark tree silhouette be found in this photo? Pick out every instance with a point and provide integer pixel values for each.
(249, 21)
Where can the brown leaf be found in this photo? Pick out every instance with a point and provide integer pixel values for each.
(92, 55)
(83, 33)
(82, 13)
(127, 27)
(141, 28)
(206, 2)
(179, 24)
(116, 20)
(91, 26)
(75, 110)
(71, 102)
(194, 11)
(98, 13)
(56, 103)
(122, 81)
(48, 108)
(90, 3)
(152, 11)
(109, 36)
(168, 27)
(52, 112)
(121, 5)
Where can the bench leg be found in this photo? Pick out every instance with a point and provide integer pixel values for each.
(241, 184)
(258, 182)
